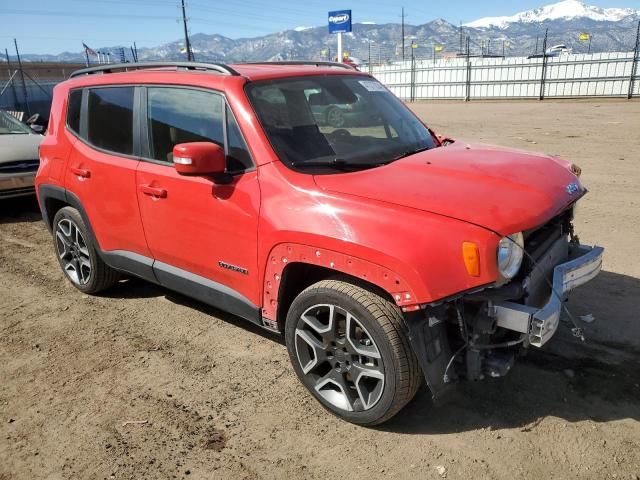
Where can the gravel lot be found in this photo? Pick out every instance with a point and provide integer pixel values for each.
(213, 397)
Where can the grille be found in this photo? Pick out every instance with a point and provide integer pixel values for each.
(20, 166)
(538, 240)
(546, 247)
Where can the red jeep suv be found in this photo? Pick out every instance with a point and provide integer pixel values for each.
(383, 253)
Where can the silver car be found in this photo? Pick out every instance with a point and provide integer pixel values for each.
(18, 157)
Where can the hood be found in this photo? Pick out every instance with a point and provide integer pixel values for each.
(500, 189)
(22, 146)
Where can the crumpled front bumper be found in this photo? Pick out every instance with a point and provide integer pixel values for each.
(541, 323)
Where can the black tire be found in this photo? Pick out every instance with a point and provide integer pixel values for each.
(98, 275)
(381, 322)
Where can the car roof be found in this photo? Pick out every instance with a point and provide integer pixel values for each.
(264, 71)
(120, 73)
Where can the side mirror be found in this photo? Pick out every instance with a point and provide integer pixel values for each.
(444, 140)
(199, 158)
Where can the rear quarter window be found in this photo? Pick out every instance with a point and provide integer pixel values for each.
(73, 111)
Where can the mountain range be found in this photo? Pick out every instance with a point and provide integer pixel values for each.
(611, 29)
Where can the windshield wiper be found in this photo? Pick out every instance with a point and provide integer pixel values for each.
(339, 164)
(408, 153)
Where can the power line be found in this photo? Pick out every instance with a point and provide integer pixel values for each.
(90, 39)
(58, 13)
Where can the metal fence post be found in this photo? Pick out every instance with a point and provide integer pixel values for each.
(413, 75)
(13, 87)
(634, 65)
(544, 64)
(467, 96)
(24, 85)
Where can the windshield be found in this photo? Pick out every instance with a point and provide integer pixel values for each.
(336, 122)
(10, 125)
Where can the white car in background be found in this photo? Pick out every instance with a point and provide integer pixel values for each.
(18, 157)
(558, 50)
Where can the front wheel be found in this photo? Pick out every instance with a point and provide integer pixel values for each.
(350, 348)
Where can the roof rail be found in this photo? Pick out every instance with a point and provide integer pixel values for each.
(210, 67)
(301, 62)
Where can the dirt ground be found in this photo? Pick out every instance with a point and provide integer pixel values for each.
(213, 397)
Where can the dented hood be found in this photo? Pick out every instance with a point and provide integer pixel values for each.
(500, 189)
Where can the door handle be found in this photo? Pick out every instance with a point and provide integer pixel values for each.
(80, 172)
(153, 191)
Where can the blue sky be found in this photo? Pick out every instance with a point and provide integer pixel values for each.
(61, 25)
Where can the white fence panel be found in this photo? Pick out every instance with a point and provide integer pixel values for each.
(583, 75)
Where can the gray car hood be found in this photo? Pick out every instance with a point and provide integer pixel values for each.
(21, 146)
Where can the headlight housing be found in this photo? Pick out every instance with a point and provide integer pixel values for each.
(510, 255)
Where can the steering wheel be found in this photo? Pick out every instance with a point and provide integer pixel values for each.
(340, 133)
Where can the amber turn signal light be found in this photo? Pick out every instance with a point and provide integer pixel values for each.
(471, 257)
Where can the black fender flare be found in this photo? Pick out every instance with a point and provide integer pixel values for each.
(128, 262)
(46, 192)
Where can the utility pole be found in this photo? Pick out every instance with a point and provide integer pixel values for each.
(135, 49)
(461, 39)
(590, 37)
(24, 85)
(187, 44)
(403, 33)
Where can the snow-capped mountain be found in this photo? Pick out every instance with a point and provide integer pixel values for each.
(611, 29)
(565, 10)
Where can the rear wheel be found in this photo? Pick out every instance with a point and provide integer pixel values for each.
(350, 348)
(77, 254)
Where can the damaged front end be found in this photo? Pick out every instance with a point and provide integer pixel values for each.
(480, 334)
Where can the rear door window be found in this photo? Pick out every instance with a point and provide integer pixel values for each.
(110, 119)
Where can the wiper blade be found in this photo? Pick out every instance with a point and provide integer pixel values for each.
(410, 152)
(338, 163)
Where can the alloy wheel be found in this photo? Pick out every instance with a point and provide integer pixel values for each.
(339, 358)
(335, 118)
(73, 251)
